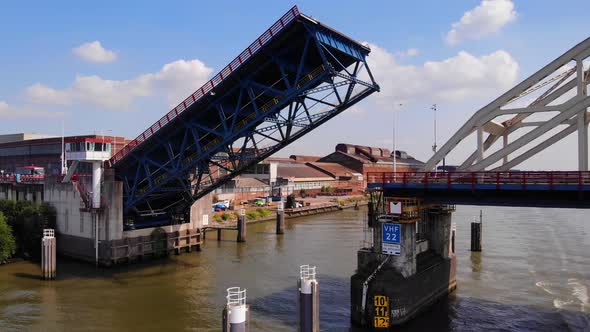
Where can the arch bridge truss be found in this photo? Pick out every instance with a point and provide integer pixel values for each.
(555, 102)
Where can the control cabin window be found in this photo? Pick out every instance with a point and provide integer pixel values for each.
(75, 147)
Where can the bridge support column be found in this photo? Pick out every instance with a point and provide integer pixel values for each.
(582, 142)
(96, 178)
(504, 145)
(479, 143)
(406, 270)
(439, 232)
(10, 193)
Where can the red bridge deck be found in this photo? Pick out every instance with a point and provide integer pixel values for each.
(541, 189)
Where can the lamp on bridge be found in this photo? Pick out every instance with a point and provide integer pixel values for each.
(433, 108)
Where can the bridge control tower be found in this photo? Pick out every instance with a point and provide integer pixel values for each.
(410, 264)
(82, 152)
(93, 151)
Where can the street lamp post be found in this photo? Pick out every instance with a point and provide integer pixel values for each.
(395, 143)
(433, 108)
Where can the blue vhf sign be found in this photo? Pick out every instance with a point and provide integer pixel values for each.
(391, 233)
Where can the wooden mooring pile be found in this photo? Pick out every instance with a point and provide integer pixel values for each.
(48, 247)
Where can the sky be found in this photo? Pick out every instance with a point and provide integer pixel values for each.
(116, 67)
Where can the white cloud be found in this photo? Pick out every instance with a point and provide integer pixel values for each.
(487, 18)
(463, 76)
(94, 52)
(410, 52)
(175, 81)
(10, 112)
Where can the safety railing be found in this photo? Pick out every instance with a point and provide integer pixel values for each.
(497, 179)
(32, 178)
(307, 272)
(85, 196)
(23, 178)
(236, 296)
(7, 178)
(268, 35)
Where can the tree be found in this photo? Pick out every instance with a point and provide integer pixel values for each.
(290, 201)
(7, 243)
(27, 221)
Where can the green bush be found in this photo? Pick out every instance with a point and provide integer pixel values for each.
(27, 221)
(7, 243)
(217, 217)
(224, 216)
(251, 215)
(264, 212)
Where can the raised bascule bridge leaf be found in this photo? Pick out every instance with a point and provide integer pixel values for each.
(296, 76)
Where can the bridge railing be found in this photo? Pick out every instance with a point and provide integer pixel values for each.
(268, 35)
(24, 178)
(5, 178)
(498, 179)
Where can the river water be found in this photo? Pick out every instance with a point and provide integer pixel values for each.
(533, 274)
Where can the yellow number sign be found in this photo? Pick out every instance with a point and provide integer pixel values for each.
(381, 318)
(381, 301)
(381, 322)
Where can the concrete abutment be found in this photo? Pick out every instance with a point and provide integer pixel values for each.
(79, 228)
(397, 278)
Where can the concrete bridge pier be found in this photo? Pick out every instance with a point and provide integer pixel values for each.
(410, 265)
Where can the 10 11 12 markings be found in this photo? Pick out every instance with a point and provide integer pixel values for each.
(381, 318)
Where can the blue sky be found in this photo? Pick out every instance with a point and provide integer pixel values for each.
(44, 81)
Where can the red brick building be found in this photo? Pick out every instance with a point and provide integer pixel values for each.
(366, 159)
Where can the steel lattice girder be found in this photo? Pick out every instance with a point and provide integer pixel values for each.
(560, 87)
(288, 92)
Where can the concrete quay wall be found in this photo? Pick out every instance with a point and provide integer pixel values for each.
(77, 226)
(21, 192)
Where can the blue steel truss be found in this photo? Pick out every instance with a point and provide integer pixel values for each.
(306, 75)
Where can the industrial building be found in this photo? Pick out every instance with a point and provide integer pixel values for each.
(345, 170)
(25, 149)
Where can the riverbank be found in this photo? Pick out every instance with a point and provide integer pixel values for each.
(320, 205)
